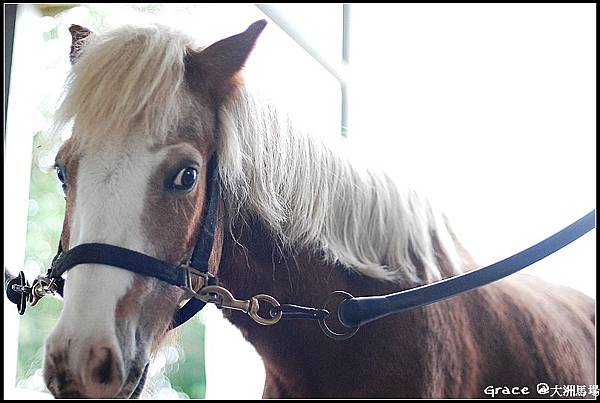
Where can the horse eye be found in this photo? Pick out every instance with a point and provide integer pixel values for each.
(185, 179)
(61, 177)
(60, 174)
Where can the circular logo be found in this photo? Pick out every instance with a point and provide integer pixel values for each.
(543, 388)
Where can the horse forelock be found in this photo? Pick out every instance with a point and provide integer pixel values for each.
(128, 81)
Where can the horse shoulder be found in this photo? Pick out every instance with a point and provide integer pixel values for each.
(531, 331)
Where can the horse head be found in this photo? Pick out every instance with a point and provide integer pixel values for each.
(144, 104)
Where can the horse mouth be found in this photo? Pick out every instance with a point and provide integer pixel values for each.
(134, 385)
(139, 385)
(131, 389)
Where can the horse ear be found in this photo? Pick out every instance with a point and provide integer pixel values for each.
(214, 69)
(78, 35)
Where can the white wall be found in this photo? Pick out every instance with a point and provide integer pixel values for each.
(492, 110)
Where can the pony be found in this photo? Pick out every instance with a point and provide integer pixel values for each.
(296, 220)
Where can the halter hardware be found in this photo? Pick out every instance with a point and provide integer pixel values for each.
(325, 327)
(41, 287)
(21, 293)
(207, 277)
(209, 294)
(223, 298)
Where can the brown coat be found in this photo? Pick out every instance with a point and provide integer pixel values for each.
(517, 332)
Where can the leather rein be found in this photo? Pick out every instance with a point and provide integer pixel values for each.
(351, 312)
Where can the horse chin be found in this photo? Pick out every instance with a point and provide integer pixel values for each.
(140, 384)
(133, 387)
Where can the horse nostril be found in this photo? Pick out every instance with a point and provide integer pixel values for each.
(101, 373)
(104, 377)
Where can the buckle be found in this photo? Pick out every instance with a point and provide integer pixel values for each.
(209, 278)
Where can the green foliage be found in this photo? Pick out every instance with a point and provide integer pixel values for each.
(187, 374)
(33, 330)
(46, 209)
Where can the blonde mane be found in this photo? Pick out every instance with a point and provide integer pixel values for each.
(312, 196)
(308, 195)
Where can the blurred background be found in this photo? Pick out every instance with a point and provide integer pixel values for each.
(490, 109)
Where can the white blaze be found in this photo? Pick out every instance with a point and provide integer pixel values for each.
(111, 188)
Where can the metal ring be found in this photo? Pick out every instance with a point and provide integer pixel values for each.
(23, 295)
(254, 306)
(326, 329)
(41, 287)
(213, 294)
(37, 292)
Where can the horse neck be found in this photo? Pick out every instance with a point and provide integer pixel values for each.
(299, 359)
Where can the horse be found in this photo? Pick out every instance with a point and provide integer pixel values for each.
(295, 220)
